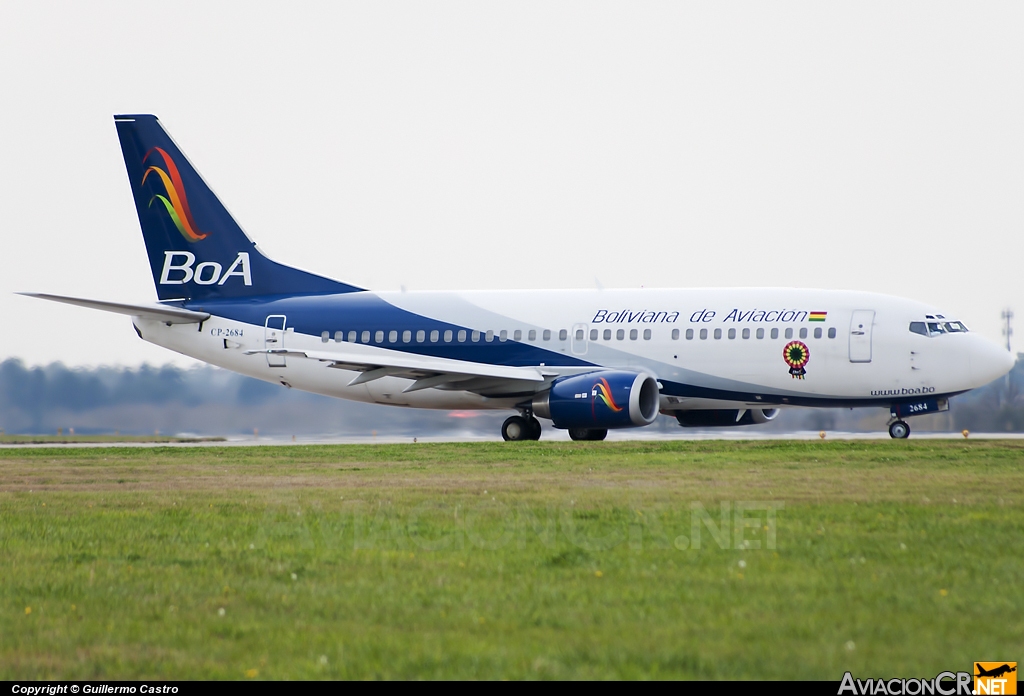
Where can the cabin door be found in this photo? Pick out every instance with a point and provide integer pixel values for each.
(273, 339)
(860, 335)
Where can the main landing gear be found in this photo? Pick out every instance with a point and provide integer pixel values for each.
(588, 434)
(517, 428)
(899, 430)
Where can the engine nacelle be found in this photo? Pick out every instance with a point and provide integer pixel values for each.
(724, 418)
(602, 399)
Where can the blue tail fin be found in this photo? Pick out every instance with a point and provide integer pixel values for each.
(196, 249)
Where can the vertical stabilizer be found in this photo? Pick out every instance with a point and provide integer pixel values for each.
(196, 249)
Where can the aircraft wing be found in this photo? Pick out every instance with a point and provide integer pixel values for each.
(164, 313)
(425, 371)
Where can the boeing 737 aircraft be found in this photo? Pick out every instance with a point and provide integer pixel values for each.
(586, 360)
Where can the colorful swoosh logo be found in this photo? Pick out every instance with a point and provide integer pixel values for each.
(604, 393)
(176, 202)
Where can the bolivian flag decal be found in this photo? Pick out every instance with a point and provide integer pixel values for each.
(817, 316)
(796, 354)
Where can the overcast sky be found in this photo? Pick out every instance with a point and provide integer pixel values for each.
(456, 145)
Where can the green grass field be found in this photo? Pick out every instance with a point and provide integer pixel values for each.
(512, 560)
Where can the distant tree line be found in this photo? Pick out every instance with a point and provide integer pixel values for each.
(202, 400)
(210, 401)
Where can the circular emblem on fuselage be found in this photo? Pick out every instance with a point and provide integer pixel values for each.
(796, 354)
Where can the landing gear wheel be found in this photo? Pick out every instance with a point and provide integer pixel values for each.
(516, 428)
(899, 430)
(588, 434)
(534, 428)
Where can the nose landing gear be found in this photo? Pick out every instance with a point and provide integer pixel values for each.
(899, 430)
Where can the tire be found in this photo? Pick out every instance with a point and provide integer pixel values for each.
(899, 430)
(516, 429)
(535, 429)
(588, 434)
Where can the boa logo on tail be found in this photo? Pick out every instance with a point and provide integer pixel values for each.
(603, 391)
(176, 202)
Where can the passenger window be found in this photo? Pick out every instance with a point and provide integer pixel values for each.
(632, 334)
(379, 337)
(817, 332)
(351, 336)
(579, 334)
(518, 335)
(746, 333)
(803, 332)
(393, 337)
(489, 336)
(789, 333)
(474, 336)
(607, 334)
(448, 336)
(620, 335)
(366, 337)
(703, 334)
(775, 333)
(732, 333)
(503, 335)
(593, 334)
(325, 336)
(718, 334)
(532, 336)
(339, 336)
(832, 332)
(406, 336)
(462, 336)
(421, 336)
(647, 334)
(760, 333)
(546, 336)
(562, 334)
(689, 334)
(434, 335)
(675, 334)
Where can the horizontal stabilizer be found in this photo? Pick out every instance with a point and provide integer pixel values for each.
(170, 315)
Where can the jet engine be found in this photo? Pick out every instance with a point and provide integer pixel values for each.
(725, 417)
(599, 400)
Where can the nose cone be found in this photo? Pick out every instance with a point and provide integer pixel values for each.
(989, 361)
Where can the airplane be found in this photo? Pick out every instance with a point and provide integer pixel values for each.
(995, 671)
(585, 360)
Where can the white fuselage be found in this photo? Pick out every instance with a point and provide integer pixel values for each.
(708, 348)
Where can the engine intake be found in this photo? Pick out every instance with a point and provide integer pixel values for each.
(602, 399)
(723, 418)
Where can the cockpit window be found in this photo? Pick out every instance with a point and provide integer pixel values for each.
(936, 328)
